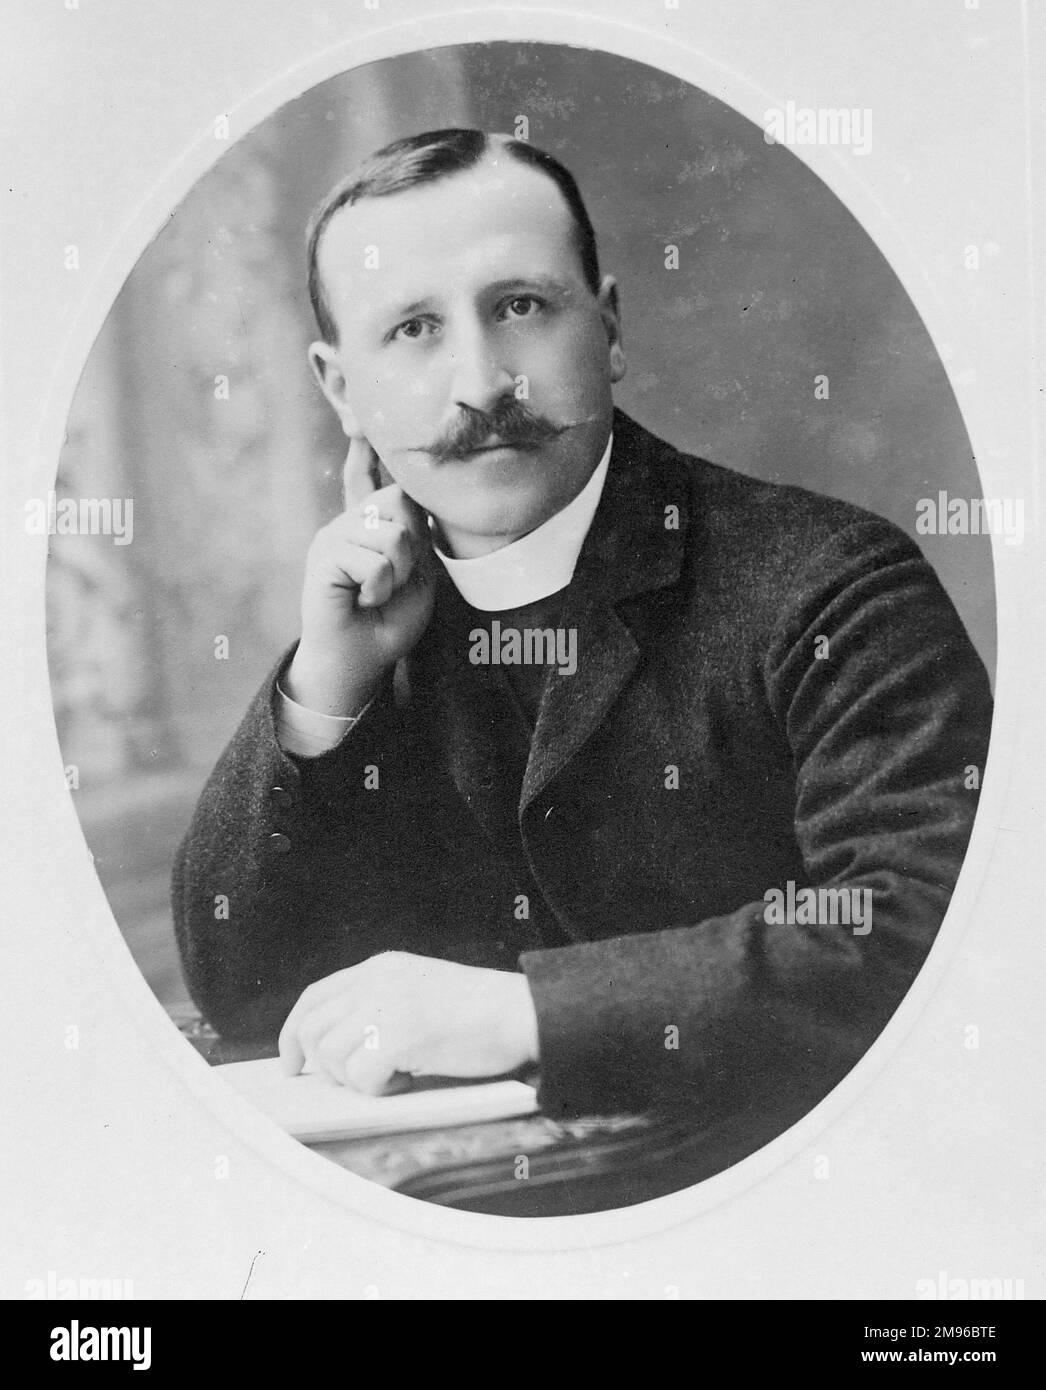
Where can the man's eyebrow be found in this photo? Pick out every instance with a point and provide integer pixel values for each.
(404, 311)
(548, 283)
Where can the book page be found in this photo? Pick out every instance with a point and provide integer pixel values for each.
(313, 1107)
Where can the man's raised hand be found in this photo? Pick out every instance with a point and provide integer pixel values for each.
(368, 591)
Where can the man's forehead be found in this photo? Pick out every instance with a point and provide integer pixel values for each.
(486, 218)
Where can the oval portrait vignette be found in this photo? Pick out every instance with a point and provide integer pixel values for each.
(521, 624)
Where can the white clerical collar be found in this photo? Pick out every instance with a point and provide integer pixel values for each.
(539, 564)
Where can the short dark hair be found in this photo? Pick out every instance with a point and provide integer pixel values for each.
(420, 159)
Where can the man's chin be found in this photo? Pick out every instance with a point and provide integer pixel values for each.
(501, 521)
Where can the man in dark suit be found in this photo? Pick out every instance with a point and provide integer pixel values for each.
(590, 754)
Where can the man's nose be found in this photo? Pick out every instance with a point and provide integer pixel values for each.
(479, 377)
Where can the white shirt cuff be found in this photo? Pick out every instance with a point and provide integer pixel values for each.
(306, 732)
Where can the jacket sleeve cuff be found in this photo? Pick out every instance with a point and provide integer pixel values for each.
(307, 732)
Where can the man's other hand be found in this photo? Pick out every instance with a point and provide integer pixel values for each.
(404, 1013)
(368, 592)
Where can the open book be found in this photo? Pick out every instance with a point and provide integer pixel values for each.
(313, 1108)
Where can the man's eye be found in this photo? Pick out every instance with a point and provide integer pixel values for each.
(521, 306)
(413, 329)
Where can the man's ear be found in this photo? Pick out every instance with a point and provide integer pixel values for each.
(325, 362)
(610, 313)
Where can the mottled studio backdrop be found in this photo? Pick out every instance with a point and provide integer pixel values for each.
(776, 284)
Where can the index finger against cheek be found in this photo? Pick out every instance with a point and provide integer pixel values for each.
(394, 504)
(360, 477)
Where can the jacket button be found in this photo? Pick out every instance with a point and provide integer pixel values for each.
(279, 844)
(283, 797)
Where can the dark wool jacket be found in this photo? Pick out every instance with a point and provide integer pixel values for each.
(656, 975)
